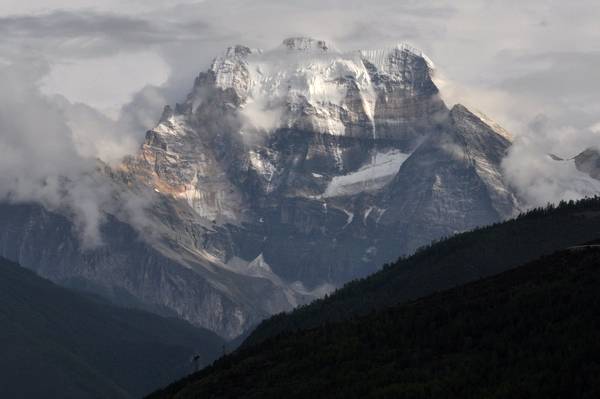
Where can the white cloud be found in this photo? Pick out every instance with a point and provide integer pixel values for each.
(49, 149)
(537, 177)
(258, 115)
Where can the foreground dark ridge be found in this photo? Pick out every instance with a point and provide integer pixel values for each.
(449, 263)
(532, 332)
(57, 343)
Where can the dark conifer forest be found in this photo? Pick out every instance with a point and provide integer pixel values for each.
(532, 332)
(449, 263)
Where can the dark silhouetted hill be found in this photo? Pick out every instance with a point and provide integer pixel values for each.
(57, 343)
(449, 263)
(531, 332)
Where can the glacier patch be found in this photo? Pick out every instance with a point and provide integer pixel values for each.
(377, 173)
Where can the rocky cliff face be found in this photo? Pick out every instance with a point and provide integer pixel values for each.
(588, 162)
(166, 276)
(285, 173)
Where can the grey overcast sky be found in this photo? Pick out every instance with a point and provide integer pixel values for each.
(544, 53)
(532, 65)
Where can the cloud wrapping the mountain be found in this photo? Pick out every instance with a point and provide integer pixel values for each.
(515, 61)
(537, 177)
(50, 150)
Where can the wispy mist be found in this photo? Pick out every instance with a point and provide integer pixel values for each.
(51, 151)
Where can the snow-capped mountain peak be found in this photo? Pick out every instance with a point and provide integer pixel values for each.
(307, 84)
(288, 171)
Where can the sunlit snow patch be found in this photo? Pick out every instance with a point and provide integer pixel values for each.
(372, 176)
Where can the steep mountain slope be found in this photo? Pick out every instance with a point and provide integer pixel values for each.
(449, 263)
(530, 332)
(138, 269)
(310, 187)
(283, 174)
(588, 162)
(452, 179)
(331, 187)
(59, 343)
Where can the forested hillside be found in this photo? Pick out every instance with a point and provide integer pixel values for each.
(449, 263)
(532, 332)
